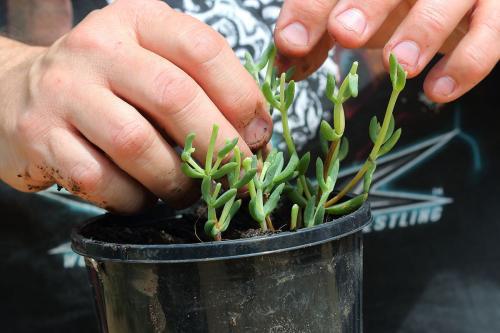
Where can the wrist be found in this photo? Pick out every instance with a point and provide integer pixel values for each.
(14, 53)
(16, 60)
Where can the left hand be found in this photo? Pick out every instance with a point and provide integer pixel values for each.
(466, 31)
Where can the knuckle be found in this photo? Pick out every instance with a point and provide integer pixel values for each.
(52, 81)
(246, 104)
(202, 44)
(476, 62)
(26, 125)
(86, 178)
(311, 10)
(154, 6)
(88, 37)
(30, 128)
(132, 139)
(491, 25)
(173, 92)
(140, 4)
(433, 18)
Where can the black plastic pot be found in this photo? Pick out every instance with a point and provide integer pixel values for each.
(304, 281)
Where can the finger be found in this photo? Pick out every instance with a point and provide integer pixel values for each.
(172, 99)
(204, 54)
(471, 61)
(300, 26)
(421, 34)
(394, 19)
(26, 178)
(85, 172)
(133, 144)
(305, 66)
(19, 173)
(353, 22)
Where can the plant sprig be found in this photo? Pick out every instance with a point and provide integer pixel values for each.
(211, 189)
(268, 177)
(383, 136)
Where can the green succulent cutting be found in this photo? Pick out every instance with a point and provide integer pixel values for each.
(269, 177)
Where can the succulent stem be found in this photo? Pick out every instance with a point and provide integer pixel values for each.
(374, 153)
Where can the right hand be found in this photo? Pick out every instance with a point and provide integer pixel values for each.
(100, 111)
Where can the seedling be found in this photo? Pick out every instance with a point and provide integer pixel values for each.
(268, 177)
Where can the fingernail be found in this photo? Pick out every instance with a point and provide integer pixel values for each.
(295, 33)
(353, 20)
(407, 53)
(256, 132)
(444, 86)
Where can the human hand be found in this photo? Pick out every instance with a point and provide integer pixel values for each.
(467, 31)
(100, 111)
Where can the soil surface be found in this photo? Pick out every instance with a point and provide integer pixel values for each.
(164, 226)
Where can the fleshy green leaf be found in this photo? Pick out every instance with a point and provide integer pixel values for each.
(319, 174)
(247, 163)
(224, 170)
(247, 177)
(225, 197)
(344, 149)
(272, 154)
(215, 231)
(289, 94)
(327, 132)
(348, 206)
(256, 214)
(333, 174)
(339, 120)
(233, 210)
(250, 66)
(228, 147)
(353, 85)
(269, 95)
(374, 129)
(393, 71)
(389, 145)
(274, 169)
(390, 129)
(190, 172)
(264, 59)
(275, 80)
(309, 212)
(273, 200)
(304, 163)
(293, 217)
(205, 189)
(330, 88)
(188, 147)
(287, 173)
(209, 225)
(289, 73)
(401, 81)
(216, 191)
(354, 68)
(211, 148)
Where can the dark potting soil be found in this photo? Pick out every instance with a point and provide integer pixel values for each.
(168, 228)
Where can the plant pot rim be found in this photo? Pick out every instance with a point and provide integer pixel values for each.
(221, 250)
